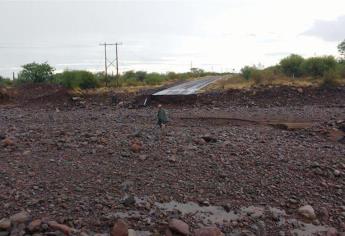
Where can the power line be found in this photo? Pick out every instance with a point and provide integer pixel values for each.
(44, 46)
(108, 63)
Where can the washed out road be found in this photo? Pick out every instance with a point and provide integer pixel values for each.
(188, 88)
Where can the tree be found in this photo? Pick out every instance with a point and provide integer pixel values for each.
(291, 65)
(341, 48)
(318, 66)
(77, 79)
(140, 75)
(197, 72)
(36, 73)
(247, 72)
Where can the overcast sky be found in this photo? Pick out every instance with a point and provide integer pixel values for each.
(166, 35)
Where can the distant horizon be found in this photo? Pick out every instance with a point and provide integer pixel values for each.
(162, 36)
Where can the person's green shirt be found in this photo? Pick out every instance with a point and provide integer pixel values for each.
(162, 116)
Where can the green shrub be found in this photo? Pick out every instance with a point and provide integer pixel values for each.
(340, 69)
(178, 76)
(257, 76)
(248, 71)
(5, 81)
(318, 66)
(140, 75)
(196, 72)
(131, 82)
(330, 79)
(128, 75)
(292, 65)
(154, 79)
(36, 73)
(173, 76)
(77, 79)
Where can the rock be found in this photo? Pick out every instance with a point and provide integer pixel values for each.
(208, 231)
(131, 232)
(5, 224)
(75, 99)
(179, 226)
(128, 201)
(120, 228)
(342, 226)
(127, 185)
(293, 201)
(7, 142)
(261, 228)
(26, 153)
(332, 232)
(60, 227)
(172, 158)
(300, 90)
(136, 146)
(168, 232)
(200, 141)
(4, 233)
(336, 173)
(21, 217)
(143, 157)
(324, 214)
(226, 207)
(18, 230)
(34, 225)
(209, 139)
(204, 203)
(307, 211)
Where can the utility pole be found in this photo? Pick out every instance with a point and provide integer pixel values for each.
(117, 61)
(108, 63)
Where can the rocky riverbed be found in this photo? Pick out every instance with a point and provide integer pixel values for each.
(89, 167)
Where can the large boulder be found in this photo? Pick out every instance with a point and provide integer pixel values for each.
(120, 228)
(5, 224)
(21, 217)
(60, 227)
(34, 225)
(307, 211)
(179, 226)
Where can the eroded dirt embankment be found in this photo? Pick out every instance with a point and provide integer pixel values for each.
(261, 96)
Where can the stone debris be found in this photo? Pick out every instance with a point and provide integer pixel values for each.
(307, 211)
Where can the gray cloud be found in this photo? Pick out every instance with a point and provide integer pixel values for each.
(328, 30)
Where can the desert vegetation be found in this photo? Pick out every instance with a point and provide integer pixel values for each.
(324, 70)
(35, 73)
(321, 70)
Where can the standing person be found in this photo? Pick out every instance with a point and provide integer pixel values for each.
(162, 117)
